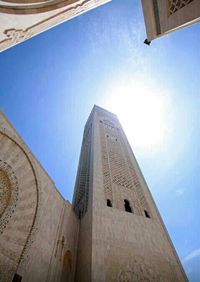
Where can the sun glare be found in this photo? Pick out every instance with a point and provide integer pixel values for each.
(141, 110)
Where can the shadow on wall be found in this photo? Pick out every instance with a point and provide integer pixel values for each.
(67, 267)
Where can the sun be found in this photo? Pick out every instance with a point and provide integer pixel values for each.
(141, 109)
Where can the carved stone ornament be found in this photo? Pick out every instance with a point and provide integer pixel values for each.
(32, 6)
(15, 34)
(8, 194)
(22, 19)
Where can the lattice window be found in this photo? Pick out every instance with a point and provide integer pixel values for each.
(137, 186)
(83, 176)
(118, 168)
(175, 5)
(105, 164)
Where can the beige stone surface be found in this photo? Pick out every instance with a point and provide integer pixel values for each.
(39, 230)
(164, 16)
(124, 246)
(45, 238)
(21, 20)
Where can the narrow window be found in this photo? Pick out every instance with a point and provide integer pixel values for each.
(17, 278)
(127, 206)
(109, 203)
(146, 214)
(79, 214)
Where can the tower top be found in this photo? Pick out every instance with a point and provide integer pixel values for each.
(104, 111)
(122, 237)
(101, 111)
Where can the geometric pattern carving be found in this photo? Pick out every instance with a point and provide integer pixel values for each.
(175, 5)
(117, 163)
(117, 166)
(105, 164)
(80, 201)
(137, 186)
(5, 191)
(8, 194)
(18, 219)
(120, 173)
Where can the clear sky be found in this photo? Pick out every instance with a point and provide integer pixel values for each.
(50, 83)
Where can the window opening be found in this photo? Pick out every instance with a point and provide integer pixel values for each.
(109, 203)
(17, 278)
(127, 206)
(146, 214)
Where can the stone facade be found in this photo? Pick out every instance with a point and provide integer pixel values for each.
(164, 16)
(21, 20)
(122, 237)
(36, 242)
(111, 232)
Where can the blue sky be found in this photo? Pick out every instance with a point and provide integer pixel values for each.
(50, 83)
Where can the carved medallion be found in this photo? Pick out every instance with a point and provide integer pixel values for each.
(33, 6)
(5, 191)
(8, 194)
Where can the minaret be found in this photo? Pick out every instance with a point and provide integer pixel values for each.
(122, 236)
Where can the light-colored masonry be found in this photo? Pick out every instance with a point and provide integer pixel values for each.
(111, 232)
(164, 16)
(23, 19)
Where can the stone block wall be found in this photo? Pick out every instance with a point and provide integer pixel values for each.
(38, 228)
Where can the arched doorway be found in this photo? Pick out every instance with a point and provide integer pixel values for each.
(66, 275)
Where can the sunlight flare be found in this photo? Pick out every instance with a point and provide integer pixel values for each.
(141, 110)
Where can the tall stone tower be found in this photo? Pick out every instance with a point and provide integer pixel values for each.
(122, 236)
